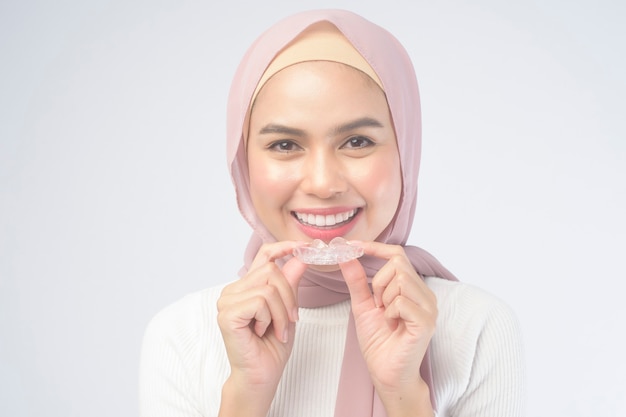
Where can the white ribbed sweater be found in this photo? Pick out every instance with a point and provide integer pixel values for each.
(476, 356)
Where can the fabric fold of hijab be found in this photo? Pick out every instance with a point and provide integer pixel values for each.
(376, 52)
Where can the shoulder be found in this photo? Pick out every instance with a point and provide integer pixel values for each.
(181, 346)
(189, 306)
(469, 314)
(469, 303)
(477, 350)
(185, 319)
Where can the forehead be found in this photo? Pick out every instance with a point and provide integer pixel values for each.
(319, 98)
(315, 77)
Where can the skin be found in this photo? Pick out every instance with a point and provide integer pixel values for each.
(321, 140)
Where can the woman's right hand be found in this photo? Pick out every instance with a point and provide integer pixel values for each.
(257, 316)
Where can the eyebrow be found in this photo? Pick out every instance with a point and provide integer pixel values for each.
(356, 124)
(273, 128)
(281, 129)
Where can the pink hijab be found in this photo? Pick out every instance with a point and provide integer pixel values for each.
(356, 395)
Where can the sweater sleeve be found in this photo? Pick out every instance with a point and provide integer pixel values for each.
(167, 378)
(496, 384)
(477, 354)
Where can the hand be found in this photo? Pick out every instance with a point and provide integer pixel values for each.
(394, 323)
(257, 316)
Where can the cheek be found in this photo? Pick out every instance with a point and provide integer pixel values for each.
(382, 185)
(268, 179)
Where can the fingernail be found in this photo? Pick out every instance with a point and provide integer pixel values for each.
(295, 314)
(285, 335)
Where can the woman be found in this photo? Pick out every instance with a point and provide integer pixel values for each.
(324, 142)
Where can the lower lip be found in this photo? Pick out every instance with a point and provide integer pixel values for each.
(328, 233)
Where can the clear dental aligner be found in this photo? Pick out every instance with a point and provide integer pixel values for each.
(319, 253)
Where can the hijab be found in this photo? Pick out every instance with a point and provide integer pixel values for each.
(339, 36)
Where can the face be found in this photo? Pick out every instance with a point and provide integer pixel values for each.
(322, 154)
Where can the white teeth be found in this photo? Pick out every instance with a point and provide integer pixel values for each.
(328, 220)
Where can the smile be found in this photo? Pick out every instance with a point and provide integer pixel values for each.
(320, 220)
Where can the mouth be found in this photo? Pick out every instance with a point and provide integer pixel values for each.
(325, 221)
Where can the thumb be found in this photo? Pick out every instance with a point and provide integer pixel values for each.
(293, 270)
(356, 279)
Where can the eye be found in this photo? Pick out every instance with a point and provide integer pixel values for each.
(358, 142)
(284, 146)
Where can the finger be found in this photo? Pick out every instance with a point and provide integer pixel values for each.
(397, 267)
(258, 307)
(381, 250)
(269, 252)
(268, 273)
(262, 317)
(272, 312)
(293, 271)
(381, 280)
(285, 281)
(408, 284)
(417, 321)
(394, 254)
(356, 279)
(398, 278)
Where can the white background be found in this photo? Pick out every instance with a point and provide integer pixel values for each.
(115, 199)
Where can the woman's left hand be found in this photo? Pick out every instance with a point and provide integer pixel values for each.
(394, 323)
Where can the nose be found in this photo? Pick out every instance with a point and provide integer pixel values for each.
(323, 175)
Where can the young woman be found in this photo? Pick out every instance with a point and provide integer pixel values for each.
(324, 142)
